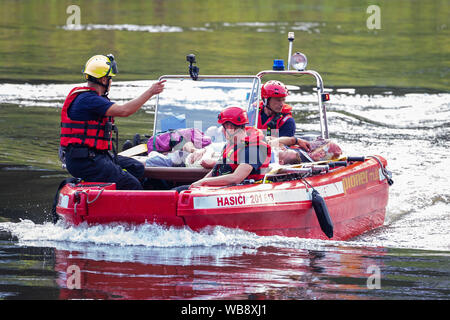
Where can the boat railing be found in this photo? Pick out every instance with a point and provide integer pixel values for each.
(254, 95)
(320, 92)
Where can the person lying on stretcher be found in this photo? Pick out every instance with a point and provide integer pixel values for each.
(171, 148)
(197, 150)
(285, 151)
(204, 154)
(293, 150)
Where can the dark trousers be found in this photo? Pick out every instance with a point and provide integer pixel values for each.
(100, 167)
(182, 188)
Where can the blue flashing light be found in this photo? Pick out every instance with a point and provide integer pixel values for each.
(278, 64)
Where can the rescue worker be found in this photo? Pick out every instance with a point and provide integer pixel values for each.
(244, 155)
(87, 127)
(274, 113)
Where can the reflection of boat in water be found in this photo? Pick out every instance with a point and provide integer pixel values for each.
(334, 199)
(208, 273)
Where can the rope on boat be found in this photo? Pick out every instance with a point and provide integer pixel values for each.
(87, 198)
(386, 173)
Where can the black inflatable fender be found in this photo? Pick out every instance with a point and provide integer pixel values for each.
(323, 216)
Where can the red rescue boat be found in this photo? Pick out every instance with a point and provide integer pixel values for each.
(356, 197)
(336, 199)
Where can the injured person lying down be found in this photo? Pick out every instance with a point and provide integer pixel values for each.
(285, 151)
(188, 147)
(293, 150)
(192, 148)
(188, 156)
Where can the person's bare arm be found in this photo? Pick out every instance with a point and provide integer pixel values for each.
(287, 141)
(208, 163)
(130, 107)
(189, 147)
(290, 141)
(239, 175)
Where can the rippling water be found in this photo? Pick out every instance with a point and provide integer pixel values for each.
(389, 96)
(411, 250)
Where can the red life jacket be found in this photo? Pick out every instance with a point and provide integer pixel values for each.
(95, 134)
(276, 121)
(230, 153)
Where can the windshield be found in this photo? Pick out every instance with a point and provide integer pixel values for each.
(186, 103)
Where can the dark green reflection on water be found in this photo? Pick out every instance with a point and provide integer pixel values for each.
(410, 50)
(27, 273)
(27, 193)
(30, 135)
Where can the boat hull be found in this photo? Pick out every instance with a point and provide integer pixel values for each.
(356, 197)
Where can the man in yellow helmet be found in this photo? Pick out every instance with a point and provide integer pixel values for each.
(87, 125)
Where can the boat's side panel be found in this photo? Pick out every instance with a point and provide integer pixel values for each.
(363, 205)
(106, 206)
(356, 198)
(134, 207)
(270, 218)
(358, 212)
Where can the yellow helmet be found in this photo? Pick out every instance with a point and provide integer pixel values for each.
(100, 66)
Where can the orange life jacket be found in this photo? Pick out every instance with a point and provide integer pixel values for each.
(96, 134)
(230, 153)
(276, 121)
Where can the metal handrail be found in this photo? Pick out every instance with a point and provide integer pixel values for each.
(320, 91)
(316, 75)
(200, 77)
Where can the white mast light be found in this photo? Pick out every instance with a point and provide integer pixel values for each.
(299, 61)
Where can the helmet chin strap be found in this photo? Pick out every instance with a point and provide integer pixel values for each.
(266, 105)
(106, 86)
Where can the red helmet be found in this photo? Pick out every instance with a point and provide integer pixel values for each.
(273, 88)
(235, 115)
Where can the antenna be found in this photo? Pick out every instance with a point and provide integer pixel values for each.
(291, 40)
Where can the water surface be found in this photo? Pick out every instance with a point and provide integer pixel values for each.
(389, 96)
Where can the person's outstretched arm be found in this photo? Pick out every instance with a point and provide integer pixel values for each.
(130, 107)
(290, 141)
(239, 175)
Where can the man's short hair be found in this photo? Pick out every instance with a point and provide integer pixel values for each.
(293, 160)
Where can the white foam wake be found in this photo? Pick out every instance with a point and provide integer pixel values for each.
(62, 235)
(151, 235)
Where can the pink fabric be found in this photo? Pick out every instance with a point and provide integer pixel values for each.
(166, 141)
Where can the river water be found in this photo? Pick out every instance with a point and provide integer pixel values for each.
(389, 96)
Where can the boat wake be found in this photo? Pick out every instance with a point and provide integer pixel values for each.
(393, 234)
(149, 235)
